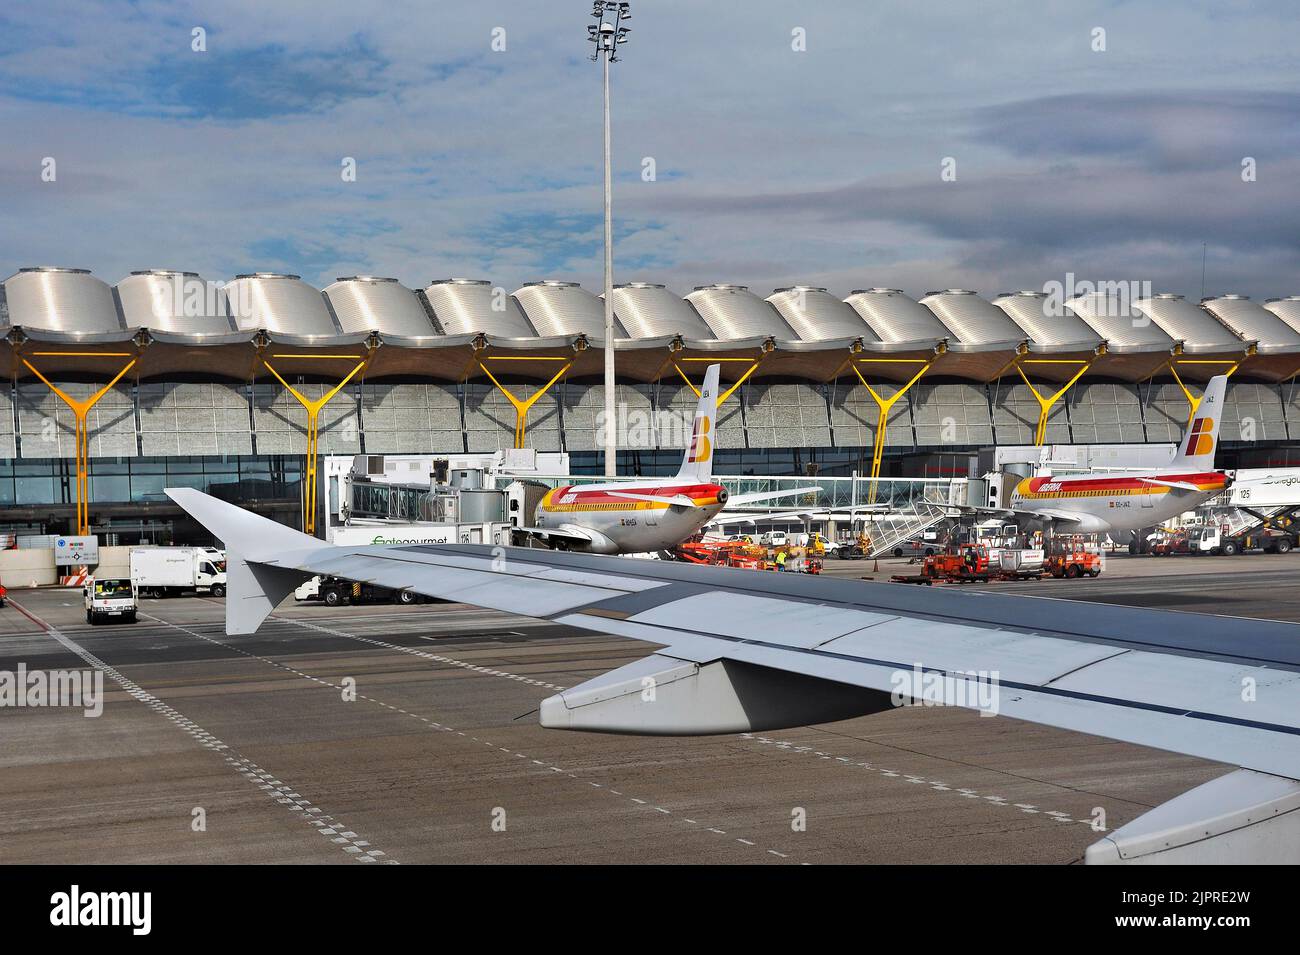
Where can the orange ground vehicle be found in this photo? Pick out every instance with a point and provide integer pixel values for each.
(1073, 562)
(958, 563)
(724, 554)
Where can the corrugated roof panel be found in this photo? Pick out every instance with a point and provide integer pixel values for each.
(1287, 309)
(564, 308)
(61, 300)
(816, 315)
(1190, 324)
(280, 304)
(733, 312)
(1115, 320)
(1045, 320)
(646, 310)
(971, 319)
(1254, 322)
(183, 303)
(474, 306)
(365, 303)
(896, 317)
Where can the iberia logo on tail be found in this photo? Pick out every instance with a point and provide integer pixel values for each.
(1200, 437)
(701, 447)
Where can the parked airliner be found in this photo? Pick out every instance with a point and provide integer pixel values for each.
(1096, 504)
(624, 517)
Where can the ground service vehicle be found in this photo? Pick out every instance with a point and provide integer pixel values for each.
(110, 600)
(168, 571)
(1073, 562)
(1217, 540)
(958, 563)
(335, 592)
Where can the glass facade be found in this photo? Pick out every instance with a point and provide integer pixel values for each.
(42, 481)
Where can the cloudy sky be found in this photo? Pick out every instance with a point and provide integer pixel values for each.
(773, 165)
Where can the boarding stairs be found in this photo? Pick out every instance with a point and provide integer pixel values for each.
(890, 530)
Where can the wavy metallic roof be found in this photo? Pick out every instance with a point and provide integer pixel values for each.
(1287, 309)
(474, 306)
(1254, 322)
(165, 300)
(734, 312)
(1117, 321)
(816, 315)
(972, 320)
(646, 310)
(1183, 321)
(1045, 320)
(366, 303)
(564, 308)
(896, 317)
(280, 304)
(61, 300)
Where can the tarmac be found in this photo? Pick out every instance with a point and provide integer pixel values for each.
(384, 734)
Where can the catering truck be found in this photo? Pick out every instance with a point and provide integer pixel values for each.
(167, 571)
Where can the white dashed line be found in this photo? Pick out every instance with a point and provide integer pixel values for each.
(486, 671)
(934, 785)
(266, 782)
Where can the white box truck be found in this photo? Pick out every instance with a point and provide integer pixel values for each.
(167, 571)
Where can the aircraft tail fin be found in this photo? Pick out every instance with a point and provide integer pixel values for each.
(697, 462)
(1196, 451)
(254, 584)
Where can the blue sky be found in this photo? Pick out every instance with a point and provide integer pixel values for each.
(774, 165)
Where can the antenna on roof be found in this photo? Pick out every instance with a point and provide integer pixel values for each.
(1204, 247)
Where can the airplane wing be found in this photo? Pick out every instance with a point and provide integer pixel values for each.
(1007, 513)
(1179, 485)
(756, 496)
(725, 518)
(744, 651)
(574, 534)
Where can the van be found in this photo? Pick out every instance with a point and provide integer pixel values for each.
(110, 600)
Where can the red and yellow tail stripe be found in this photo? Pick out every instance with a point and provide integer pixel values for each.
(574, 498)
(1056, 489)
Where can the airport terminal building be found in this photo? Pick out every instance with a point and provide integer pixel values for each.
(169, 379)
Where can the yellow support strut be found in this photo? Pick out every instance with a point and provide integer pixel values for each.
(1194, 402)
(313, 429)
(883, 405)
(753, 367)
(1045, 403)
(522, 405)
(80, 409)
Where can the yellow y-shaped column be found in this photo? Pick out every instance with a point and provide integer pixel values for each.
(521, 405)
(1193, 401)
(80, 409)
(883, 405)
(313, 431)
(1045, 402)
(753, 367)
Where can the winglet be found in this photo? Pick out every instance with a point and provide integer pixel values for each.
(254, 586)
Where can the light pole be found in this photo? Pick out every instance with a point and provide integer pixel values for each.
(607, 33)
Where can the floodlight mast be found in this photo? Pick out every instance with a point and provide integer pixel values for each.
(606, 34)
